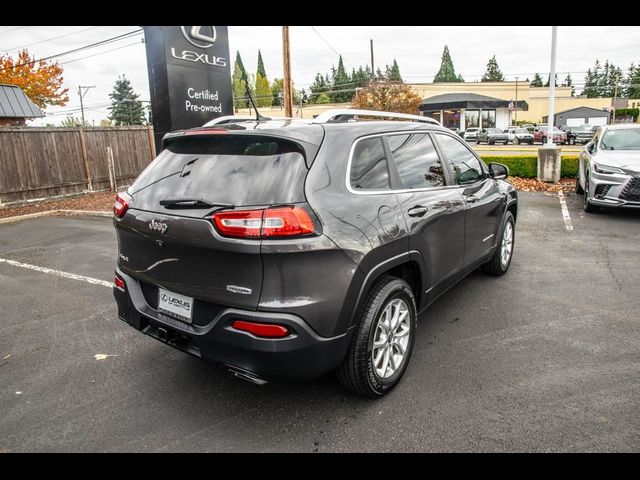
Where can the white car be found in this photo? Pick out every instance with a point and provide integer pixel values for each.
(230, 119)
(518, 135)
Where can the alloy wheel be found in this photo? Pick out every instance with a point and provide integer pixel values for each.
(391, 338)
(506, 247)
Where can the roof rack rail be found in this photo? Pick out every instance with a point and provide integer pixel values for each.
(337, 115)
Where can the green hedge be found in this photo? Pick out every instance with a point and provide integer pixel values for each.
(623, 112)
(527, 166)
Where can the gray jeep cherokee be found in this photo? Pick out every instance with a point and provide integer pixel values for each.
(286, 250)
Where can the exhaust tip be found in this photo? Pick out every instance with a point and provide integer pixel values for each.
(245, 375)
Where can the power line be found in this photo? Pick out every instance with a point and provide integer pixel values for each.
(325, 41)
(101, 53)
(48, 39)
(79, 49)
(12, 29)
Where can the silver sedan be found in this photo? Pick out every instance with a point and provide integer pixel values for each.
(609, 168)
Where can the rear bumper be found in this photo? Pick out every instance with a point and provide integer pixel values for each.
(302, 355)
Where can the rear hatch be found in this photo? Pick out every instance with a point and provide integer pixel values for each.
(167, 239)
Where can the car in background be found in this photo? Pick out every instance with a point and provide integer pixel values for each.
(609, 168)
(518, 135)
(581, 134)
(471, 134)
(491, 136)
(540, 135)
(529, 127)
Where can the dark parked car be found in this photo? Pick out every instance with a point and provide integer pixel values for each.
(291, 251)
(582, 134)
(491, 136)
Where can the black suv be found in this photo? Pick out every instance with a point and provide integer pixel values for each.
(291, 249)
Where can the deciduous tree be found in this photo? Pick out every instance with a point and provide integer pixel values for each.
(39, 79)
(389, 97)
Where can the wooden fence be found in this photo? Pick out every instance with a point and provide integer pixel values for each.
(49, 162)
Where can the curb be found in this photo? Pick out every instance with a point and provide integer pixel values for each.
(50, 213)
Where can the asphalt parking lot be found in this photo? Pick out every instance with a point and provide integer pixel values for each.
(545, 358)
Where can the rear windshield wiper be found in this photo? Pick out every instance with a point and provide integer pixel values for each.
(192, 203)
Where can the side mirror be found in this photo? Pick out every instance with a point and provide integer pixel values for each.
(498, 171)
(591, 147)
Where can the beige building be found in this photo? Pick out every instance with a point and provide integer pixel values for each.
(536, 99)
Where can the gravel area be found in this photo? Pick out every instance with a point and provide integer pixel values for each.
(94, 202)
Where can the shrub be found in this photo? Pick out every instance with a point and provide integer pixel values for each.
(527, 166)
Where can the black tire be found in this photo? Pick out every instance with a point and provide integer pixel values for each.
(489, 142)
(495, 265)
(544, 140)
(572, 141)
(586, 204)
(357, 372)
(477, 142)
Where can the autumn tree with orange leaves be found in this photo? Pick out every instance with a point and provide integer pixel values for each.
(389, 97)
(39, 79)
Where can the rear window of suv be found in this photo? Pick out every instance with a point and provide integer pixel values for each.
(240, 170)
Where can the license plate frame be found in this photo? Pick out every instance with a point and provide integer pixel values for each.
(175, 305)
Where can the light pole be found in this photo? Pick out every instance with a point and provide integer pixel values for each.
(81, 94)
(552, 88)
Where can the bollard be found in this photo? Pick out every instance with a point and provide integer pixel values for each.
(549, 163)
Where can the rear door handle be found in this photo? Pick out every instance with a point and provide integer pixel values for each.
(417, 211)
(471, 199)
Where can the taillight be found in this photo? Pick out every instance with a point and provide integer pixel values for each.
(266, 223)
(265, 330)
(121, 205)
(119, 283)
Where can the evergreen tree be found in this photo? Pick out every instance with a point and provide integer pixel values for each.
(319, 87)
(493, 73)
(394, 72)
(460, 79)
(341, 81)
(263, 96)
(379, 75)
(447, 72)
(239, 82)
(537, 80)
(632, 89)
(569, 83)
(125, 107)
(549, 78)
(261, 70)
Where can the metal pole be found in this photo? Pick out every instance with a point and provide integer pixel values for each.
(516, 105)
(373, 69)
(552, 88)
(286, 57)
(615, 96)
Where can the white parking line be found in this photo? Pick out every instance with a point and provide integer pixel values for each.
(565, 212)
(72, 276)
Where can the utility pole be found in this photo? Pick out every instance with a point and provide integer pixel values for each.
(516, 105)
(81, 94)
(373, 70)
(288, 108)
(552, 87)
(615, 96)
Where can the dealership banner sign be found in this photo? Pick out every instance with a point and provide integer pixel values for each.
(189, 76)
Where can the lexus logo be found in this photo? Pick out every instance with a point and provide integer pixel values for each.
(201, 37)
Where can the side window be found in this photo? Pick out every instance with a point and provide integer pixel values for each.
(465, 166)
(417, 160)
(369, 166)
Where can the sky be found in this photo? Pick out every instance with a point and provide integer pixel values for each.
(520, 51)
